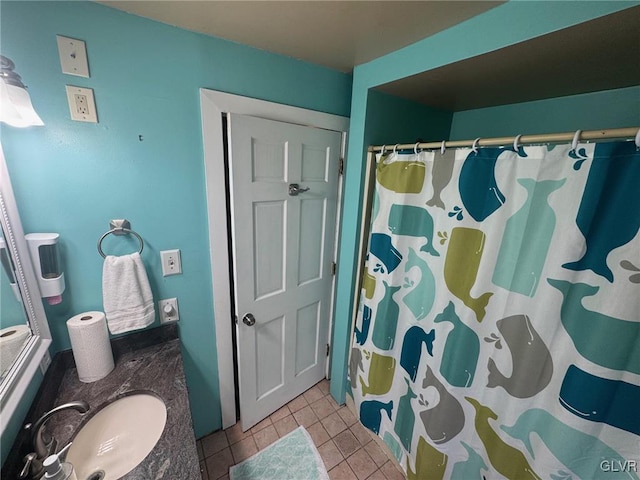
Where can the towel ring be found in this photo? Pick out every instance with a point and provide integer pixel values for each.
(119, 230)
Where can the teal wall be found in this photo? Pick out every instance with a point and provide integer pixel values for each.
(592, 111)
(507, 24)
(393, 120)
(72, 177)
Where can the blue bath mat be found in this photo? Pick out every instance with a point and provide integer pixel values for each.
(293, 457)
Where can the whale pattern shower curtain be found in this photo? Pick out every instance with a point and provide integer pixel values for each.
(498, 327)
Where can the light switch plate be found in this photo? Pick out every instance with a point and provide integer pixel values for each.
(82, 105)
(73, 56)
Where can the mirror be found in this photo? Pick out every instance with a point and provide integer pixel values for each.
(21, 309)
(14, 325)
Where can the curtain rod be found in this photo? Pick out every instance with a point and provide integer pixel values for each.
(546, 138)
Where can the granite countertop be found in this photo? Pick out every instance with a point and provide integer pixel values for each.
(156, 368)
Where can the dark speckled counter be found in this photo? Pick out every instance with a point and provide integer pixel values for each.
(157, 368)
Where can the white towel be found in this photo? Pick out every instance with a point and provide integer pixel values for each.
(126, 294)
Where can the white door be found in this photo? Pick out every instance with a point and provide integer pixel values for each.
(283, 243)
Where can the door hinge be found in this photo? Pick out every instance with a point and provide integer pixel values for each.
(328, 348)
(341, 166)
(333, 268)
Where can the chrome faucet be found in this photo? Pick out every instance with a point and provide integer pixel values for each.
(43, 443)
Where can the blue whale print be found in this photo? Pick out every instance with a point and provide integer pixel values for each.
(604, 340)
(597, 399)
(579, 452)
(384, 250)
(412, 349)
(413, 222)
(478, 188)
(361, 335)
(461, 350)
(609, 214)
(470, 469)
(420, 299)
(371, 413)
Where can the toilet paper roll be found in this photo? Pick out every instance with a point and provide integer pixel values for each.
(12, 339)
(90, 345)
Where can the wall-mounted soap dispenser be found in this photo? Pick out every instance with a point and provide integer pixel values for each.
(45, 256)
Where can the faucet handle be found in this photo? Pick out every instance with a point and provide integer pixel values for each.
(31, 466)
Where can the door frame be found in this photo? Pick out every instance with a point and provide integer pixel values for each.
(213, 105)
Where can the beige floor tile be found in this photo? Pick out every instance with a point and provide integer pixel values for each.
(376, 453)
(361, 464)
(285, 425)
(361, 433)
(266, 437)
(322, 407)
(218, 464)
(377, 475)
(330, 454)
(342, 471)
(313, 394)
(214, 443)
(346, 443)
(391, 472)
(318, 434)
(203, 470)
(305, 416)
(259, 426)
(346, 416)
(297, 403)
(244, 449)
(280, 414)
(235, 433)
(324, 386)
(333, 424)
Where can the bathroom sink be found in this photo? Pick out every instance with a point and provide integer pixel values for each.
(117, 438)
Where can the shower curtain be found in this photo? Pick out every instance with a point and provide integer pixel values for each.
(498, 329)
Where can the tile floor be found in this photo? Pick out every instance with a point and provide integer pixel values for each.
(345, 445)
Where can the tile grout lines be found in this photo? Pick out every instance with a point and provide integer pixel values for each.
(345, 445)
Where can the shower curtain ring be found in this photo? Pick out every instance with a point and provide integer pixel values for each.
(384, 148)
(443, 147)
(415, 148)
(395, 148)
(474, 147)
(576, 137)
(637, 139)
(516, 141)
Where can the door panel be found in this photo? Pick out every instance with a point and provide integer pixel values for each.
(282, 246)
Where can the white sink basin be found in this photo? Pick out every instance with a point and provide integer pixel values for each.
(118, 437)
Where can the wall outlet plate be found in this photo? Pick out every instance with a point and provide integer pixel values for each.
(82, 105)
(168, 309)
(73, 56)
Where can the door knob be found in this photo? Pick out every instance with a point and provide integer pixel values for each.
(249, 320)
(294, 189)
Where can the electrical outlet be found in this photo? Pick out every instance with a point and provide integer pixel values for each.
(169, 310)
(82, 105)
(171, 263)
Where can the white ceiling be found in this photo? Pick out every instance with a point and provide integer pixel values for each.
(336, 34)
